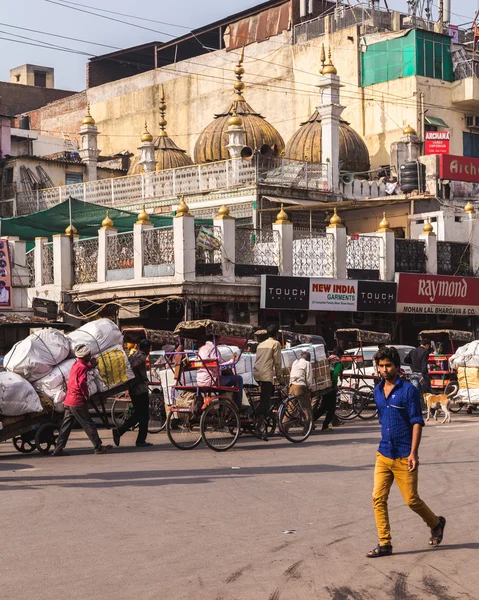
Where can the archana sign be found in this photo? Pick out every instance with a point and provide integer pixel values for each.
(437, 142)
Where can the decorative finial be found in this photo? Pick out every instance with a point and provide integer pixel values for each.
(469, 208)
(162, 122)
(183, 210)
(384, 225)
(428, 228)
(107, 223)
(282, 217)
(239, 72)
(323, 59)
(144, 217)
(71, 230)
(329, 69)
(235, 120)
(146, 137)
(335, 220)
(88, 120)
(224, 213)
(408, 130)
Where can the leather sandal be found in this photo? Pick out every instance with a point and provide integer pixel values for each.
(436, 538)
(380, 551)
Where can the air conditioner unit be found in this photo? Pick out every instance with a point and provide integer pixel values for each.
(444, 319)
(304, 317)
(472, 122)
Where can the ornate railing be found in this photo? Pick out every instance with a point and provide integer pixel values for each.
(313, 254)
(296, 174)
(209, 241)
(257, 252)
(120, 252)
(362, 256)
(158, 252)
(47, 263)
(409, 256)
(85, 260)
(453, 258)
(30, 265)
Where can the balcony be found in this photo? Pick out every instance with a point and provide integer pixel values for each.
(465, 90)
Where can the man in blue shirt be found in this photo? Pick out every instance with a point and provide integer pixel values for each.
(397, 459)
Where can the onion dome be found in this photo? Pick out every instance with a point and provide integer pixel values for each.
(146, 137)
(282, 217)
(183, 209)
(384, 225)
(329, 69)
(71, 230)
(211, 144)
(335, 220)
(469, 208)
(88, 120)
(107, 223)
(428, 228)
(306, 145)
(143, 217)
(408, 130)
(224, 213)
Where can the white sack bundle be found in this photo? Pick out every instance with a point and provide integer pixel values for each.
(99, 336)
(17, 396)
(466, 356)
(35, 356)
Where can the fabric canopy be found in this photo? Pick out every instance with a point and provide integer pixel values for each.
(86, 217)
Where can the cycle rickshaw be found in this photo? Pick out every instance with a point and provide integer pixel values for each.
(209, 413)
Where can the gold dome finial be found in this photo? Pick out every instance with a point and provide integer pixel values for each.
(71, 230)
(335, 220)
(143, 217)
(88, 120)
(469, 208)
(183, 210)
(282, 217)
(323, 59)
(224, 213)
(408, 130)
(107, 223)
(146, 137)
(329, 69)
(428, 228)
(239, 72)
(162, 122)
(384, 225)
(235, 120)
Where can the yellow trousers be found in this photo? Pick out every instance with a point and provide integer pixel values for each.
(385, 472)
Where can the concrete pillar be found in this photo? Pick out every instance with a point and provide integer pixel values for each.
(89, 151)
(38, 260)
(18, 261)
(340, 237)
(284, 227)
(185, 244)
(62, 261)
(227, 224)
(387, 265)
(143, 224)
(473, 231)
(430, 241)
(103, 233)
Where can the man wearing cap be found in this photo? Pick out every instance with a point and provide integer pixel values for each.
(76, 404)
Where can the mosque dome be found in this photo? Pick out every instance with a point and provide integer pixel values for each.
(211, 144)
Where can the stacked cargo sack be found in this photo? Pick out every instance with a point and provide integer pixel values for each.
(466, 362)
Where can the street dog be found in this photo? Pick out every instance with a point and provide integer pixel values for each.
(434, 401)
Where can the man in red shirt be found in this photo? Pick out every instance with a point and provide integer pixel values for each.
(76, 407)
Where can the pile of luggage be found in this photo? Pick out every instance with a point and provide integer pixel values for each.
(38, 367)
(466, 362)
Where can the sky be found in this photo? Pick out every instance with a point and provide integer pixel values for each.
(54, 17)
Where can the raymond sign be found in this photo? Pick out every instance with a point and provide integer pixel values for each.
(459, 168)
(438, 295)
(437, 142)
(6, 300)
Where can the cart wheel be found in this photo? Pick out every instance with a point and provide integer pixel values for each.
(345, 404)
(120, 412)
(295, 420)
(157, 420)
(46, 437)
(220, 425)
(452, 388)
(270, 424)
(368, 409)
(25, 445)
(183, 430)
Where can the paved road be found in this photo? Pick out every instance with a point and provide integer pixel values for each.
(162, 524)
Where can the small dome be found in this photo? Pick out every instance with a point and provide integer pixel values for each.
(335, 220)
(146, 137)
(71, 230)
(143, 217)
(409, 130)
(428, 228)
(183, 209)
(469, 208)
(88, 120)
(329, 69)
(107, 223)
(235, 121)
(224, 213)
(384, 224)
(305, 145)
(282, 217)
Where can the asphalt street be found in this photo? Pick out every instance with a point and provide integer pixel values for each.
(264, 521)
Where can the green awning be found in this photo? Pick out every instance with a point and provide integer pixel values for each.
(436, 122)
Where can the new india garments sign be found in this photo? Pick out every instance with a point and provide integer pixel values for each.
(311, 293)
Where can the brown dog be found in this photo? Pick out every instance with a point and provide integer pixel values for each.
(436, 401)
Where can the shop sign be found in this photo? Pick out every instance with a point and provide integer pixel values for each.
(327, 294)
(458, 168)
(437, 142)
(438, 295)
(6, 300)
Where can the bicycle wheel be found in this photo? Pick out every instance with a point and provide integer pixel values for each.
(183, 430)
(295, 420)
(220, 425)
(120, 412)
(452, 388)
(368, 409)
(345, 404)
(157, 421)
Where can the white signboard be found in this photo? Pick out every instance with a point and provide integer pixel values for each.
(333, 294)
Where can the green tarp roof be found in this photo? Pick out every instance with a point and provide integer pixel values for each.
(86, 217)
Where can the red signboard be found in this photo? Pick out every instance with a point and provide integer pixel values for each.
(458, 168)
(438, 295)
(437, 142)
(6, 300)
